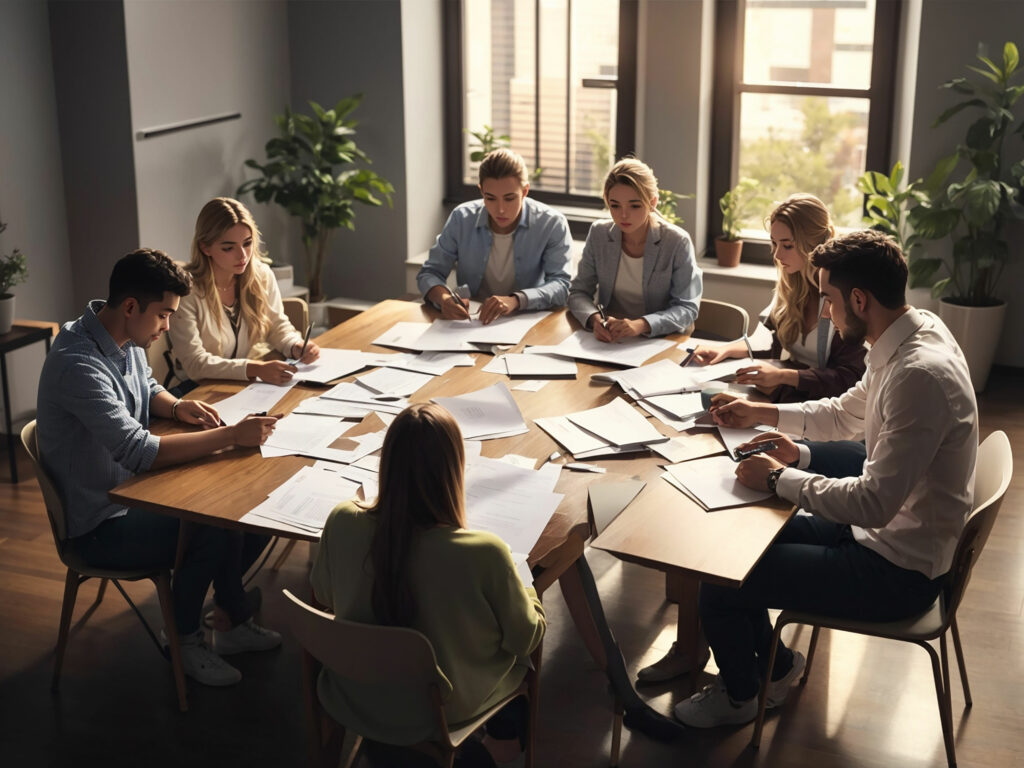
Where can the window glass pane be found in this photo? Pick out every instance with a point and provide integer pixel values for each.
(822, 42)
(812, 144)
(579, 50)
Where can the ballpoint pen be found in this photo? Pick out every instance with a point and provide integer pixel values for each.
(458, 300)
(750, 350)
(305, 342)
(688, 358)
(600, 311)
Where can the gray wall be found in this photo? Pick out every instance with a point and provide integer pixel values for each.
(339, 49)
(950, 33)
(190, 60)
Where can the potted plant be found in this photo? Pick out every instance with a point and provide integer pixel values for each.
(735, 205)
(668, 206)
(13, 271)
(311, 172)
(487, 141)
(974, 210)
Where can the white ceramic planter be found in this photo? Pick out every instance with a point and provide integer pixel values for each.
(6, 312)
(285, 275)
(976, 330)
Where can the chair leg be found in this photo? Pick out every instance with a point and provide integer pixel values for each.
(945, 716)
(163, 591)
(810, 653)
(67, 610)
(960, 663)
(533, 703)
(616, 733)
(762, 697)
(100, 592)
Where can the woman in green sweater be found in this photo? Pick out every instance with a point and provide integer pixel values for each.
(407, 559)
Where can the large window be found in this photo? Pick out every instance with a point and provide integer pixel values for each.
(803, 100)
(551, 76)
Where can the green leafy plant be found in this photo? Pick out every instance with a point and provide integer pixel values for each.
(311, 171)
(975, 209)
(487, 141)
(13, 269)
(736, 205)
(668, 206)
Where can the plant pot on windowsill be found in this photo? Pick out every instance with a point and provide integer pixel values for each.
(976, 330)
(728, 252)
(6, 312)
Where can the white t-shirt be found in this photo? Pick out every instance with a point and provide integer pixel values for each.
(500, 275)
(628, 293)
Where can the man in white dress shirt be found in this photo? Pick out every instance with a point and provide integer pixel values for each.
(875, 547)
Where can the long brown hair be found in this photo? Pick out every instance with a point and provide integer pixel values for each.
(421, 486)
(811, 224)
(217, 217)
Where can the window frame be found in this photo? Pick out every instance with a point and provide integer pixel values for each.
(456, 190)
(728, 86)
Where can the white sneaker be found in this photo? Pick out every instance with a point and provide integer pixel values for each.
(779, 689)
(247, 636)
(203, 665)
(712, 707)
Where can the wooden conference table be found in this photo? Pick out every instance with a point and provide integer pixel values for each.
(662, 528)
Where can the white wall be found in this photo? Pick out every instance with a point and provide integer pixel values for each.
(31, 187)
(950, 33)
(190, 60)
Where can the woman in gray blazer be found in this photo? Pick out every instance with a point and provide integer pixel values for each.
(640, 268)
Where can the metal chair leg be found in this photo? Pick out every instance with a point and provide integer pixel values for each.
(941, 695)
(810, 654)
(960, 663)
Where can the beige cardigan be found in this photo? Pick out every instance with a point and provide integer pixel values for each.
(200, 345)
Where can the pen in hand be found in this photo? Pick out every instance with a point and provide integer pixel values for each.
(688, 358)
(601, 312)
(305, 343)
(750, 350)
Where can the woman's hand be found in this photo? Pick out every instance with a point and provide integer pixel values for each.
(496, 306)
(711, 355)
(600, 328)
(765, 376)
(197, 412)
(620, 328)
(311, 355)
(253, 430)
(272, 371)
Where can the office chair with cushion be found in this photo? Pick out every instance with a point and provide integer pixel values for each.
(392, 656)
(79, 572)
(993, 473)
(720, 320)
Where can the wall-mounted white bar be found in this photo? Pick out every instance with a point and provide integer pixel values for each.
(160, 130)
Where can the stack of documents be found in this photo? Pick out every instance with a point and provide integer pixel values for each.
(610, 429)
(258, 397)
(582, 345)
(435, 363)
(486, 414)
(532, 366)
(712, 483)
(394, 381)
(459, 335)
(326, 407)
(298, 433)
(661, 378)
(303, 503)
(349, 392)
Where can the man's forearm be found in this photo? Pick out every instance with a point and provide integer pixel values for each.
(176, 449)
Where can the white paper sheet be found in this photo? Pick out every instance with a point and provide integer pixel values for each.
(453, 334)
(540, 365)
(325, 407)
(679, 425)
(333, 364)
(350, 392)
(683, 406)
(402, 335)
(569, 436)
(258, 397)
(682, 449)
(660, 378)
(617, 423)
(531, 385)
(733, 437)
(582, 345)
(486, 413)
(394, 381)
(722, 370)
(712, 481)
(435, 363)
(298, 432)
(306, 499)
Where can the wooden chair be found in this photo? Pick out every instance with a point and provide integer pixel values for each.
(297, 312)
(79, 572)
(993, 474)
(720, 320)
(368, 653)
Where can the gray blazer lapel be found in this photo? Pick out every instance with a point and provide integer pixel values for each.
(651, 249)
(608, 267)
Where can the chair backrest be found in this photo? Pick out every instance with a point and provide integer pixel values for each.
(365, 653)
(54, 507)
(721, 319)
(994, 469)
(297, 312)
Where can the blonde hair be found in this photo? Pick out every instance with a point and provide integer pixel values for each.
(421, 486)
(502, 163)
(217, 217)
(811, 225)
(638, 176)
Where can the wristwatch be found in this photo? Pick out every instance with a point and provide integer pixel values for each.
(773, 478)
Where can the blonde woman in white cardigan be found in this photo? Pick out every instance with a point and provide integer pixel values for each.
(234, 307)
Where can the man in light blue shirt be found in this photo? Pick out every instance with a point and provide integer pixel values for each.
(510, 251)
(95, 400)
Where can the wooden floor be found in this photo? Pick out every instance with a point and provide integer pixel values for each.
(868, 702)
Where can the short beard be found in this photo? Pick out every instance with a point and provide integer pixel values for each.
(856, 329)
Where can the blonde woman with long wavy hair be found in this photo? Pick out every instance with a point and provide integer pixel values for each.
(234, 312)
(824, 365)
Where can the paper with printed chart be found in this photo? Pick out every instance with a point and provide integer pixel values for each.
(582, 345)
(303, 502)
(258, 397)
(486, 414)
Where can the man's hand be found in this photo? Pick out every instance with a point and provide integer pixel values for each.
(766, 377)
(253, 431)
(740, 414)
(311, 355)
(197, 412)
(620, 328)
(787, 451)
(272, 371)
(496, 306)
(452, 307)
(753, 472)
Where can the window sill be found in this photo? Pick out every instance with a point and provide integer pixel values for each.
(753, 273)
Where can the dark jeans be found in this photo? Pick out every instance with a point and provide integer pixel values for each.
(144, 539)
(815, 565)
(836, 458)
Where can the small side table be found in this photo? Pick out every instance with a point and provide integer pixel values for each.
(22, 333)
